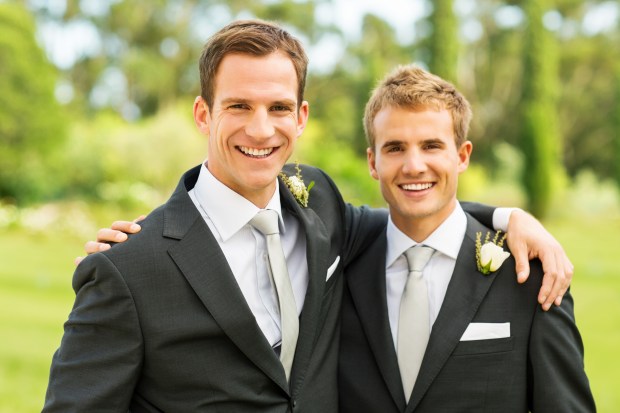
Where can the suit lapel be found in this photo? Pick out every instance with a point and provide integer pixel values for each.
(367, 286)
(317, 254)
(465, 293)
(200, 259)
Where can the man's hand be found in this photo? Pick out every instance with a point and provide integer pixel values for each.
(528, 239)
(115, 234)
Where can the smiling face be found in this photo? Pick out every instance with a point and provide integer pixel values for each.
(253, 124)
(417, 163)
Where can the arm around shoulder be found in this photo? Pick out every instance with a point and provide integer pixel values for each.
(97, 364)
(363, 225)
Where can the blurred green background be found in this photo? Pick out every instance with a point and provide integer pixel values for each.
(96, 125)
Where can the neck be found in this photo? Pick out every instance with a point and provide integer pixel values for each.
(419, 228)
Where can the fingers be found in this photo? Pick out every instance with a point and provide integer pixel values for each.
(522, 261)
(546, 291)
(92, 247)
(558, 273)
(111, 235)
(140, 218)
(564, 284)
(128, 227)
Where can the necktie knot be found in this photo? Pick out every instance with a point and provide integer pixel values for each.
(266, 221)
(418, 257)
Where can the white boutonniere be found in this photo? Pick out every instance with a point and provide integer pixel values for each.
(297, 187)
(491, 255)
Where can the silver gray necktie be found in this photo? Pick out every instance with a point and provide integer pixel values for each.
(413, 323)
(266, 221)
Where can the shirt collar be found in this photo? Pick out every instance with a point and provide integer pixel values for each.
(447, 238)
(227, 210)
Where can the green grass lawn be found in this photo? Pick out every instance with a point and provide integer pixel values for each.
(36, 297)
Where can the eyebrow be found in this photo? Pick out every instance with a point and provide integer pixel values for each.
(396, 142)
(284, 102)
(433, 140)
(392, 143)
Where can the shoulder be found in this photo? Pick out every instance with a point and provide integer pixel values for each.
(308, 174)
(322, 191)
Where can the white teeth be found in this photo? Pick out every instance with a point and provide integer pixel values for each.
(416, 187)
(256, 151)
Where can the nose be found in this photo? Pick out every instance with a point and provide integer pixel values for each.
(259, 125)
(414, 162)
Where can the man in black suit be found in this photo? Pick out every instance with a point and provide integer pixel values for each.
(183, 316)
(188, 314)
(484, 344)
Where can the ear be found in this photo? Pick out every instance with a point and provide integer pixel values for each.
(302, 117)
(202, 115)
(464, 154)
(371, 156)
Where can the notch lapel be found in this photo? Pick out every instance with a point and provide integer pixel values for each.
(466, 290)
(200, 259)
(317, 254)
(367, 286)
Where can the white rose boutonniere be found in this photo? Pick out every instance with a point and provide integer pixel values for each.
(491, 255)
(297, 187)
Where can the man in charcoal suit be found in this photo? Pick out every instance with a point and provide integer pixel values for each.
(183, 316)
(424, 329)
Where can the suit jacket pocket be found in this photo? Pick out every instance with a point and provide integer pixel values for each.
(497, 345)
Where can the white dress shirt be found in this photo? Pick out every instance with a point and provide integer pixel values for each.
(228, 214)
(446, 240)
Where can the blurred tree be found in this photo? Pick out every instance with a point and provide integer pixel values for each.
(31, 121)
(616, 124)
(490, 77)
(339, 98)
(444, 42)
(540, 140)
(149, 49)
(588, 101)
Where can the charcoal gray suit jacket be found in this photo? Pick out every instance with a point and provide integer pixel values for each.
(539, 367)
(160, 324)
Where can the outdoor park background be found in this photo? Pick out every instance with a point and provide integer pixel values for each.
(95, 125)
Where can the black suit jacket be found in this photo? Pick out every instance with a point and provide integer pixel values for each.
(160, 324)
(538, 368)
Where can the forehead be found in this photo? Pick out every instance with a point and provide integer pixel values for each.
(393, 122)
(262, 77)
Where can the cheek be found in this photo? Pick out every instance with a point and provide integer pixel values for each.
(288, 125)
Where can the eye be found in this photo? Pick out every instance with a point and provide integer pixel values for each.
(433, 145)
(237, 106)
(394, 148)
(281, 108)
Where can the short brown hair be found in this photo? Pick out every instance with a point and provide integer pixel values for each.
(253, 37)
(414, 88)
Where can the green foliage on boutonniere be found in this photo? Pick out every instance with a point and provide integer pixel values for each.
(297, 187)
(491, 255)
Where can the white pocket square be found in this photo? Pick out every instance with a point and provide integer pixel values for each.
(486, 331)
(332, 268)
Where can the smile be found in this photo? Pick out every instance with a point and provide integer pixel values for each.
(255, 152)
(417, 187)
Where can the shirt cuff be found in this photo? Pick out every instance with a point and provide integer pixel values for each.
(501, 216)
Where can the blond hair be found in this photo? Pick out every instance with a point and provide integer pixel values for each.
(411, 87)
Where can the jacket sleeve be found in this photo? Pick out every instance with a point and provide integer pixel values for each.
(483, 213)
(557, 381)
(362, 226)
(97, 364)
